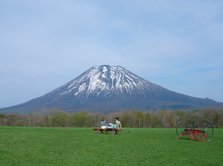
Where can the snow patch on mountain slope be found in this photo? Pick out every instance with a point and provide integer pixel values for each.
(107, 79)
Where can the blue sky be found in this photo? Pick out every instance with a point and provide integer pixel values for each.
(177, 44)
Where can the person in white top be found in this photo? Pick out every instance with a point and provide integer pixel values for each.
(118, 124)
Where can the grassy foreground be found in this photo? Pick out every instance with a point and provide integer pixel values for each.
(82, 146)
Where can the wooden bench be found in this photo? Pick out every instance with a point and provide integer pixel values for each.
(106, 130)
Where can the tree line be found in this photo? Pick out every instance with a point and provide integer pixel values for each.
(130, 118)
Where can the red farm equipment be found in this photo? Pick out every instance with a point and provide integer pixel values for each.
(201, 131)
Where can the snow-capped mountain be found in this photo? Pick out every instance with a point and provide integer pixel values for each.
(105, 81)
(110, 88)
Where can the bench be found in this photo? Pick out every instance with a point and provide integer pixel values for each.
(106, 130)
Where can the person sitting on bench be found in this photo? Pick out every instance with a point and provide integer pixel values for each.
(118, 124)
(103, 124)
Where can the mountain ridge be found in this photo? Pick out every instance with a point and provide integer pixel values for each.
(108, 88)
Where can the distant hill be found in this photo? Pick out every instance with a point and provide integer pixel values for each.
(111, 88)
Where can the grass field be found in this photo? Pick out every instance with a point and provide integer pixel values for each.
(82, 146)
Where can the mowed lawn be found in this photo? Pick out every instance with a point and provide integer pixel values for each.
(25, 146)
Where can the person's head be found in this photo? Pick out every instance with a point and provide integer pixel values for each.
(117, 118)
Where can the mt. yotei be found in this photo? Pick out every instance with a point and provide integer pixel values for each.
(111, 88)
(105, 81)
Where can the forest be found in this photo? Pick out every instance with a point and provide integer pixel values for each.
(129, 118)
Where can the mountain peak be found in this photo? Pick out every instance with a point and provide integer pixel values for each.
(106, 80)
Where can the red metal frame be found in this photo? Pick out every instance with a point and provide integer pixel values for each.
(194, 134)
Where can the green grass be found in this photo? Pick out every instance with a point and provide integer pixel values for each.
(82, 146)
